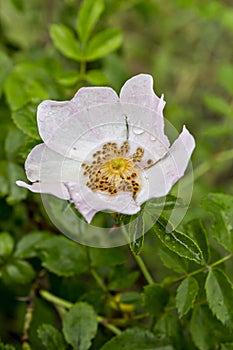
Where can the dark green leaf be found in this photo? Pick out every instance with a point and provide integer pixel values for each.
(221, 206)
(16, 194)
(168, 329)
(18, 4)
(88, 15)
(165, 203)
(25, 120)
(134, 339)
(51, 338)
(107, 257)
(28, 245)
(136, 233)
(6, 346)
(103, 43)
(207, 332)
(172, 260)
(17, 272)
(219, 291)
(155, 298)
(217, 104)
(177, 241)
(6, 245)
(121, 278)
(197, 232)
(65, 41)
(186, 295)
(62, 256)
(80, 326)
(228, 346)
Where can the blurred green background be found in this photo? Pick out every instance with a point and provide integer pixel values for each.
(186, 45)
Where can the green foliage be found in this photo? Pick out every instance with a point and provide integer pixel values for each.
(80, 326)
(50, 337)
(171, 289)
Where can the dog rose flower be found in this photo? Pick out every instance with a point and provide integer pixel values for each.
(104, 152)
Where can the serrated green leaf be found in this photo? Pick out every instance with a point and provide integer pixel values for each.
(186, 295)
(136, 233)
(17, 272)
(134, 339)
(172, 261)
(219, 292)
(6, 245)
(62, 256)
(25, 120)
(96, 77)
(155, 298)
(221, 206)
(65, 41)
(88, 15)
(50, 337)
(103, 43)
(80, 326)
(206, 331)
(165, 203)
(27, 246)
(178, 241)
(196, 230)
(168, 328)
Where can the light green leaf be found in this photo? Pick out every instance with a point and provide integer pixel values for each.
(136, 233)
(6, 245)
(68, 78)
(219, 292)
(102, 43)
(14, 140)
(65, 41)
(88, 15)
(62, 256)
(206, 331)
(16, 94)
(96, 77)
(134, 339)
(17, 272)
(155, 298)
(27, 246)
(221, 206)
(225, 76)
(217, 104)
(178, 241)
(80, 326)
(51, 338)
(25, 120)
(5, 67)
(186, 295)
(172, 260)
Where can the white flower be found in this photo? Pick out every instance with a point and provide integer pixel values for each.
(104, 152)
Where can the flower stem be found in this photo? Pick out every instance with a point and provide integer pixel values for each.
(67, 305)
(139, 260)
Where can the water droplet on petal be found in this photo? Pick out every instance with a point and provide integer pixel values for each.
(152, 137)
(138, 131)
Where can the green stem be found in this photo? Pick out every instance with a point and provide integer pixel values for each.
(202, 269)
(67, 305)
(82, 70)
(139, 260)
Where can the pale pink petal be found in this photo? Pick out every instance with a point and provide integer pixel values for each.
(159, 179)
(57, 189)
(144, 110)
(89, 203)
(45, 165)
(61, 124)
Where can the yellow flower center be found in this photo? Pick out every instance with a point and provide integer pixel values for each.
(113, 170)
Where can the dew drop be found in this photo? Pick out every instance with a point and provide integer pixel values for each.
(138, 131)
(152, 137)
(167, 237)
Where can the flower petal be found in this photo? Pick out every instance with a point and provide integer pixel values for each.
(144, 110)
(45, 165)
(61, 124)
(89, 203)
(57, 189)
(159, 179)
